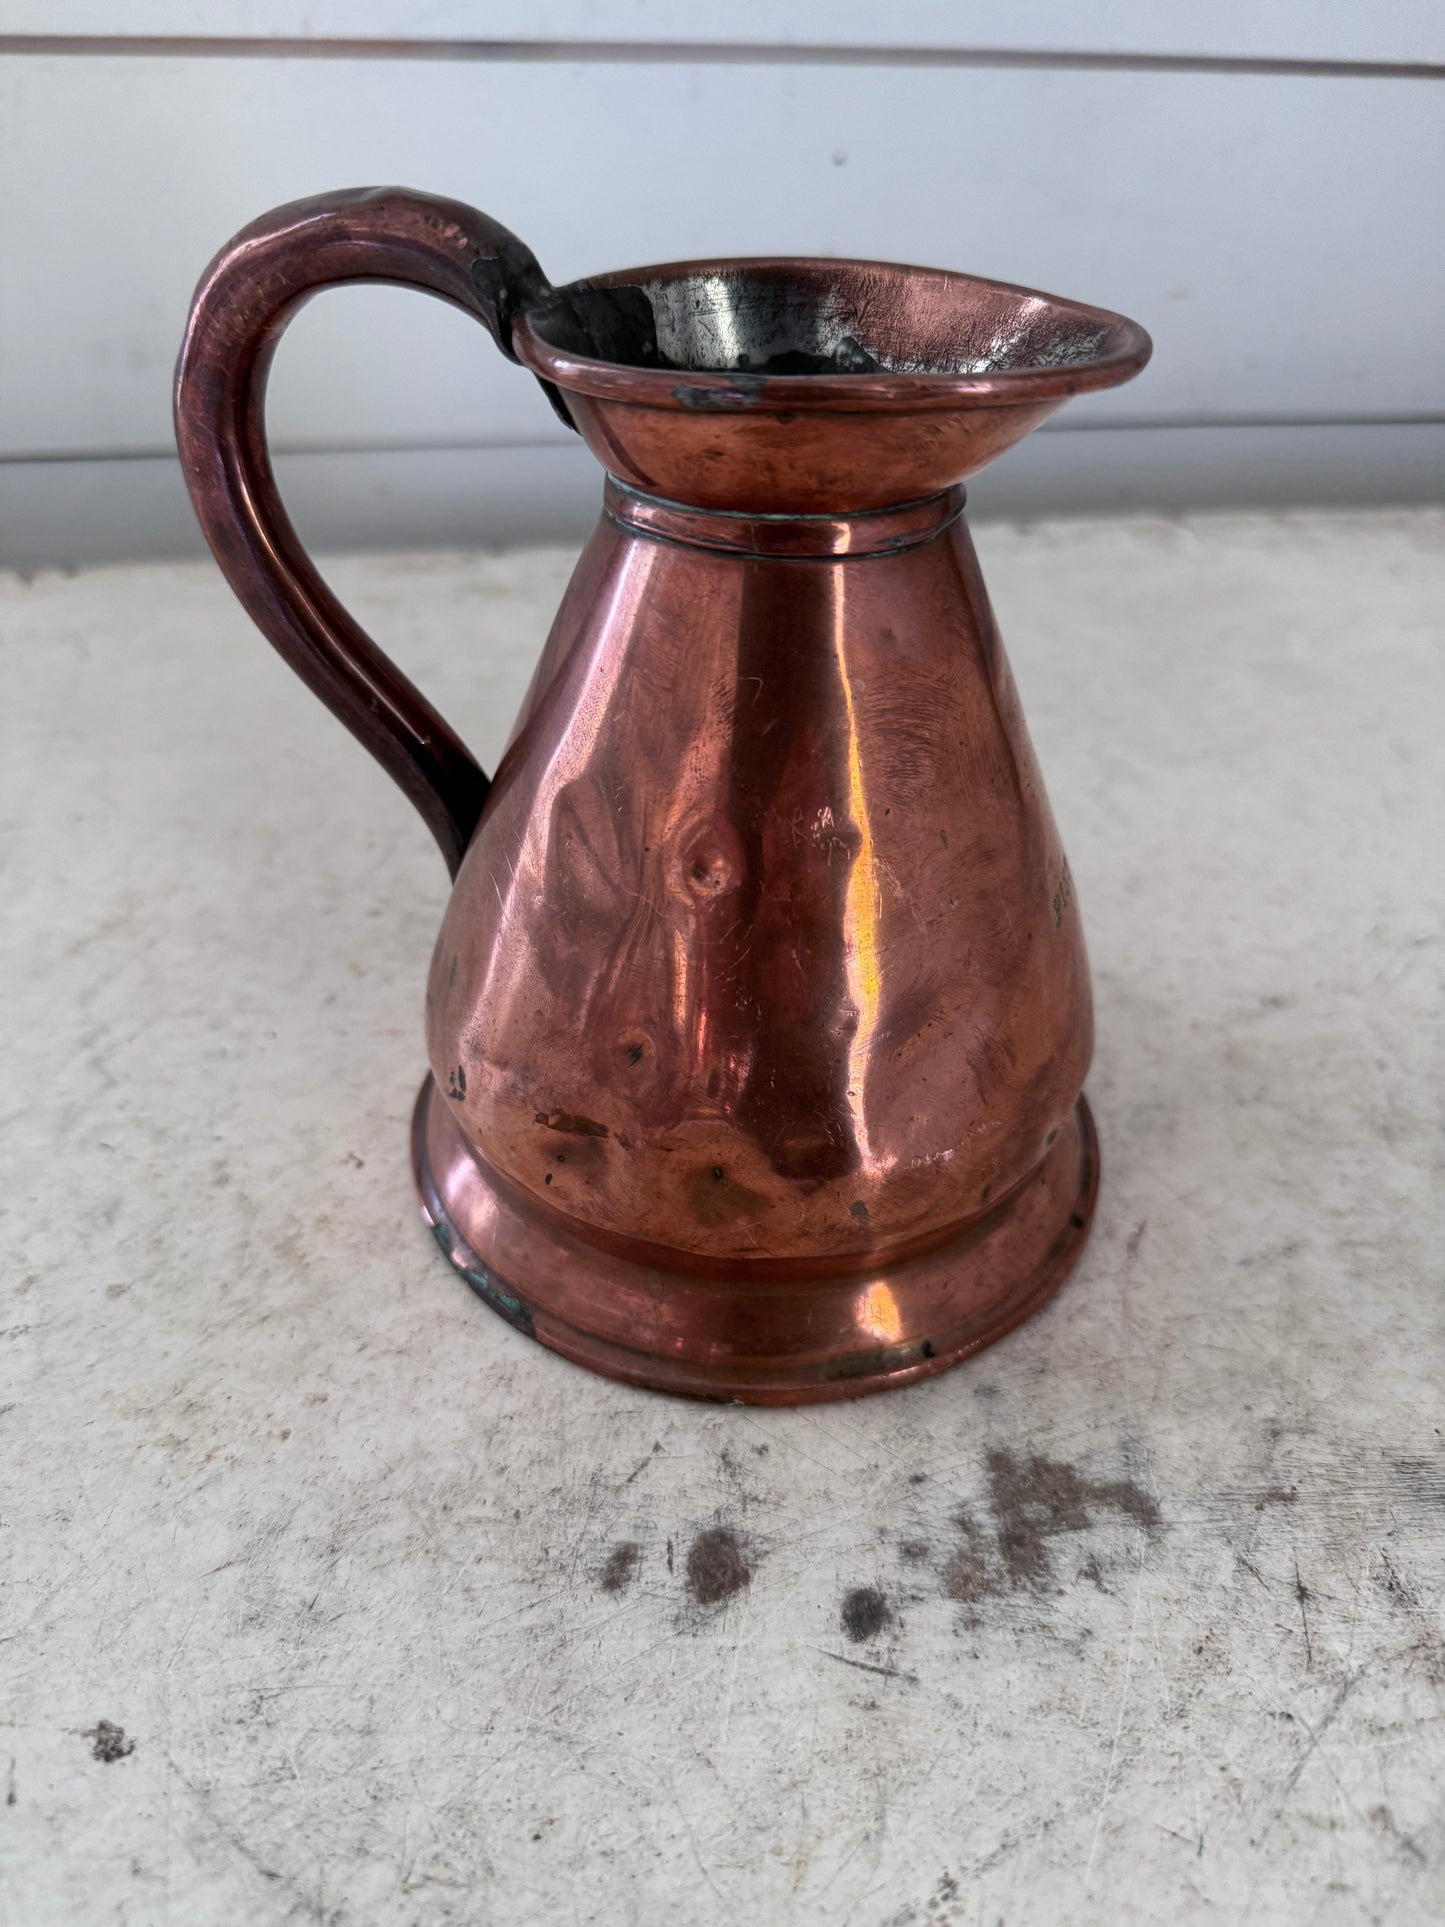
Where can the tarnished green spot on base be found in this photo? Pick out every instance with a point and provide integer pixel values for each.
(515, 1310)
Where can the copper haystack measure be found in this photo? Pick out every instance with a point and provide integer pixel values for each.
(760, 1013)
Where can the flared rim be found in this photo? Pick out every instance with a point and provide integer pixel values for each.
(1127, 348)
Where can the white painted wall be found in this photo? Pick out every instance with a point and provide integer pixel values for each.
(1258, 184)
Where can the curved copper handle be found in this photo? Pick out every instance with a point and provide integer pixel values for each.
(242, 305)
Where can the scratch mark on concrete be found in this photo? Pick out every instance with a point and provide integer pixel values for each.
(868, 1666)
(1302, 1593)
(1317, 1733)
(1108, 1792)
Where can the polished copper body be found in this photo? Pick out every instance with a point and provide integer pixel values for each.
(759, 1016)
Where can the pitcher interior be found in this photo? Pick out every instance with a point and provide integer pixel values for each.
(820, 318)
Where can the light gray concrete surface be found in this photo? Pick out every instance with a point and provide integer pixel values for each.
(338, 1556)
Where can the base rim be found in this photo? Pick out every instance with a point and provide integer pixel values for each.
(1048, 1243)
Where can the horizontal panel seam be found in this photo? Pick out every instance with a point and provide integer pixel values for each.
(702, 53)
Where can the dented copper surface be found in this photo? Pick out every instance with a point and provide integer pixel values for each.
(759, 1017)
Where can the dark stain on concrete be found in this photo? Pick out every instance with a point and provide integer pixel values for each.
(716, 1568)
(621, 1566)
(1393, 1585)
(1277, 1495)
(866, 1613)
(1094, 1573)
(1036, 1498)
(644, 1462)
(108, 1742)
(969, 1575)
(1409, 1846)
(1421, 1481)
(1033, 1499)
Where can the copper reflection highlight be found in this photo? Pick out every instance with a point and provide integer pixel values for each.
(879, 1318)
(860, 924)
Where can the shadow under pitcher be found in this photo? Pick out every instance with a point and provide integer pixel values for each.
(759, 1017)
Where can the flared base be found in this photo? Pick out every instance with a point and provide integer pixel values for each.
(794, 1341)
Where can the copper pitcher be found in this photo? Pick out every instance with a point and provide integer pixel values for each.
(760, 1013)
